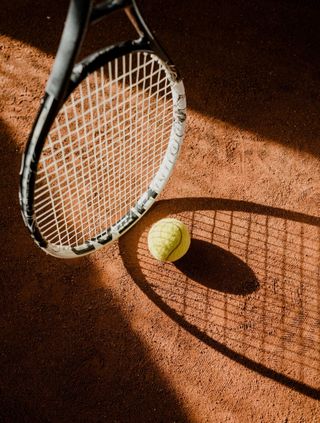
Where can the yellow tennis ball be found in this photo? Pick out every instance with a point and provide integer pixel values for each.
(168, 239)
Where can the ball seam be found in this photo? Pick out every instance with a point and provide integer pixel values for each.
(181, 236)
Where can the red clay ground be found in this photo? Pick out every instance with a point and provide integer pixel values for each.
(231, 333)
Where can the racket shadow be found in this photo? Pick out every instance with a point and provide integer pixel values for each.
(247, 288)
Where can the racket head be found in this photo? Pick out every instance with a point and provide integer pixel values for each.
(67, 188)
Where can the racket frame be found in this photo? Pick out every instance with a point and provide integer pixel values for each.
(64, 78)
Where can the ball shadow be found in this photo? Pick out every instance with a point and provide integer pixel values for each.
(215, 268)
(224, 299)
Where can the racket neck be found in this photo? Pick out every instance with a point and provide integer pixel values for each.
(70, 44)
(147, 38)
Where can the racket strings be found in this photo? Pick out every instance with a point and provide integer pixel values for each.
(104, 148)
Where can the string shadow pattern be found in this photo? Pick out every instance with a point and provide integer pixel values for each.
(248, 285)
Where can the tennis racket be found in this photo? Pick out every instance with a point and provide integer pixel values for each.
(105, 139)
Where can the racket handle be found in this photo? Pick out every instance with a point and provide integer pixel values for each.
(71, 40)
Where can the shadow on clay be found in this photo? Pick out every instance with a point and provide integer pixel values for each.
(215, 268)
(247, 288)
(64, 340)
(255, 66)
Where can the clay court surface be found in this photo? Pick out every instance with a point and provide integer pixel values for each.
(230, 333)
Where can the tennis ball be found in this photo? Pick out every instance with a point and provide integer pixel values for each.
(168, 239)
